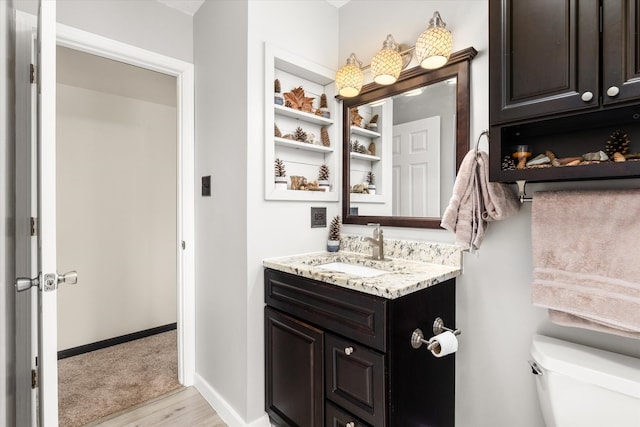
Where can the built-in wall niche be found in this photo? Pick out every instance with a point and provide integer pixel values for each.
(295, 136)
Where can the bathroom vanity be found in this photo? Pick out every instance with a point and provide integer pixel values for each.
(338, 344)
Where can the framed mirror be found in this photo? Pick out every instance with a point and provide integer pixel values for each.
(403, 145)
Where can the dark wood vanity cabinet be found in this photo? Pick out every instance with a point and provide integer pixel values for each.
(563, 75)
(336, 357)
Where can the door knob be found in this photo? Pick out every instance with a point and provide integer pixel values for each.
(69, 278)
(613, 91)
(22, 283)
(348, 351)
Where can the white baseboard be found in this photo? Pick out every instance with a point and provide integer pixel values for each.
(224, 410)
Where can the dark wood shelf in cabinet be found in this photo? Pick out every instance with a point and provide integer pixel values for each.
(568, 136)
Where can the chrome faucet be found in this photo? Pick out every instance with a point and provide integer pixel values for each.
(377, 243)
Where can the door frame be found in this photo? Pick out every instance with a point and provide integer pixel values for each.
(91, 43)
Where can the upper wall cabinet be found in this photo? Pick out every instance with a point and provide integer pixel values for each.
(564, 75)
(299, 131)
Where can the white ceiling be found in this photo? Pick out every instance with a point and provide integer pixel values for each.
(190, 7)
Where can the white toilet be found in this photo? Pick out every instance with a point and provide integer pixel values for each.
(581, 386)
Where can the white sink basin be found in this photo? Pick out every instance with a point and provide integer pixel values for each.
(353, 269)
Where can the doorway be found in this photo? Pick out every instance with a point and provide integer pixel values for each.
(185, 265)
(116, 156)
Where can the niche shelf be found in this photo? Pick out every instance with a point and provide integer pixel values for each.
(300, 158)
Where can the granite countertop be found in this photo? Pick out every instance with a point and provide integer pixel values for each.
(402, 276)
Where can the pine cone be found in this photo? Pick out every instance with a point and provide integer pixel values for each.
(323, 174)
(355, 146)
(334, 228)
(618, 143)
(324, 136)
(300, 135)
(276, 86)
(279, 168)
(276, 131)
(372, 148)
(323, 101)
(508, 164)
(374, 119)
(371, 178)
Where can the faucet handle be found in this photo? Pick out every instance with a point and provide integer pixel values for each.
(377, 232)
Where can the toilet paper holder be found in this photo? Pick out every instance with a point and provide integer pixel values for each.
(417, 337)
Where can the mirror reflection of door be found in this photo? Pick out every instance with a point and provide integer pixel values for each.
(416, 168)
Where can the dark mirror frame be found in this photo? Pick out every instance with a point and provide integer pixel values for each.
(459, 67)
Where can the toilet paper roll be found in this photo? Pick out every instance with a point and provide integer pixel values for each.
(445, 343)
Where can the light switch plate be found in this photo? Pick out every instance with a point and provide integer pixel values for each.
(318, 217)
(206, 185)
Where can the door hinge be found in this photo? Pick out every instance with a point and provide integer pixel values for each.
(34, 226)
(32, 73)
(184, 245)
(34, 378)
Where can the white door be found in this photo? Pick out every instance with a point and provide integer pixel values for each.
(416, 168)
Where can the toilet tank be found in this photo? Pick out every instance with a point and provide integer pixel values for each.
(583, 386)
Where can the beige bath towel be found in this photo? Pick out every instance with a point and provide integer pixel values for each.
(586, 258)
(476, 201)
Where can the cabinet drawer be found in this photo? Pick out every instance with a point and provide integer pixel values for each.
(338, 417)
(355, 379)
(359, 316)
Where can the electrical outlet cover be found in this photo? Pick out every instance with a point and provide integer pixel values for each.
(318, 217)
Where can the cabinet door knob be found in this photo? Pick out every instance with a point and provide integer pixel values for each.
(348, 351)
(350, 424)
(613, 91)
(587, 96)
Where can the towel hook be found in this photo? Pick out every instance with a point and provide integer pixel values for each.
(522, 194)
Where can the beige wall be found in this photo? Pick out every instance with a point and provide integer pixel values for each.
(116, 201)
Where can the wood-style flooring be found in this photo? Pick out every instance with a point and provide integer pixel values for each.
(184, 407)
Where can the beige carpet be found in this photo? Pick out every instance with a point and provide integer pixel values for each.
(99, 383)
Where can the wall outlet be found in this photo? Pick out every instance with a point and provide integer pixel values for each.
(318, 217)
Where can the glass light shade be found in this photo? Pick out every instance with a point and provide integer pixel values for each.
(387, 63)
(349, 80)
(434, 45)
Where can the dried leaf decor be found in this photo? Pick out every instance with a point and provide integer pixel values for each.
(298, 101)
(356, 118)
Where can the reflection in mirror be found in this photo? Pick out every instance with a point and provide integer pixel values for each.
(403, 145)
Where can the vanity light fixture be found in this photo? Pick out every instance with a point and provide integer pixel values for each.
(434, 45)
(387, 63)
(349, 78)
(432, 50)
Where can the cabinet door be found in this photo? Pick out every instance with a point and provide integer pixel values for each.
(544, 57)
(620, 51)
(294, 371)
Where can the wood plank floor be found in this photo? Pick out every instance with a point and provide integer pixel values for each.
(184, 407)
